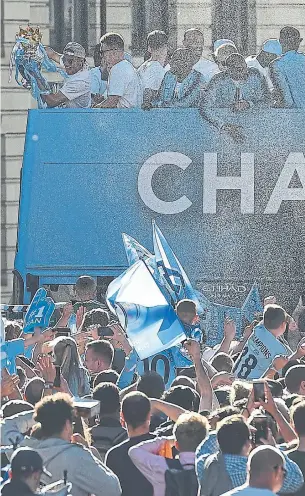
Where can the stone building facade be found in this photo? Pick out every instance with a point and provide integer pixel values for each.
(247, 22)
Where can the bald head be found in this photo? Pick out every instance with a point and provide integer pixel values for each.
(266, 468)
(263, 459)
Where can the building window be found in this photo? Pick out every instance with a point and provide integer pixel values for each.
(231, 20)
(147, 15)
(138, 37)
(68, 22)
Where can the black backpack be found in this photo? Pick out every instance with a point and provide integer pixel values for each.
(103, 439)
(178, 481)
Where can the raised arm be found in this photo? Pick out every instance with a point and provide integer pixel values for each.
(170, 410)
(203, 381)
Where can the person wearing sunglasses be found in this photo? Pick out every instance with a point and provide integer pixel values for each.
(124, 89)
(76, 90)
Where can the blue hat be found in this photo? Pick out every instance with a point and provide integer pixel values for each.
(272, 46)
(219, 43)
(26, 460)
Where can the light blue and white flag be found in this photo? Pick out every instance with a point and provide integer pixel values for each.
(171, 270)
(149, 320)
(252, 304)
(39, 312)
(134, 250)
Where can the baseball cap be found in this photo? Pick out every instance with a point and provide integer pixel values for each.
(272, 46)
(75, 49)
(219, 43)
(27, 460)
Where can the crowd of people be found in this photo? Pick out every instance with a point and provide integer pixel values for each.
(226, 422)
(275, 77)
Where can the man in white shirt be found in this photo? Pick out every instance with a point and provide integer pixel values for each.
(153, 70)
(266, 473)
(194, 40)
(124, 88)
(271, 49)
(75, 92)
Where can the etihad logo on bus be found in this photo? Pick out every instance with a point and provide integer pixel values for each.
(295, 163)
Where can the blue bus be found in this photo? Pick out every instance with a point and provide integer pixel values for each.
(233, 212)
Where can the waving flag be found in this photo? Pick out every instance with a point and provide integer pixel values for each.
(171, 270)
(149, 320)
(135, 251)
(252, 304)
(39, 312)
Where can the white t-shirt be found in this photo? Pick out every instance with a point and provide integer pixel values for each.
(151, 74)
(124, 82)
(77, 89)
(207, 68)
(249, 491)
(265, 71)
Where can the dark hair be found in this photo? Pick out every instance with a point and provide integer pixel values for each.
(186, 305)
(34, 390)
(103, 348)
(96, 316)
(135, 408)
(298, 417)
(183, 380)
(52, 412)
(109, 396)
(113, 40)
(288, 366)
(22, 376)
(182, 396)
(273, 317)
(97, 55)
(152, 384)
(157, 39)
(292, 399)
(294, 377)
(85, 284)
(15, 406)
(232, 434)
(190, 31)
(290, 33)
(223, 394)
(106, 376)
(222, 362)
(301, 320)
(13, 330)
(276, 388)
(224, 412)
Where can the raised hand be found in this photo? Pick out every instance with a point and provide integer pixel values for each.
(193, 348)
(9, 384)
(46, 369)
(229, 329)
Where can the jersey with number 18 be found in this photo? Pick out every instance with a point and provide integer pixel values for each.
(258, 354)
